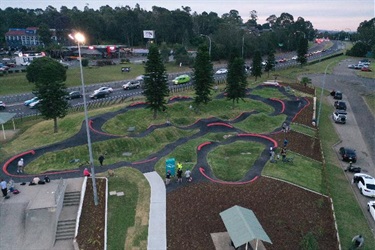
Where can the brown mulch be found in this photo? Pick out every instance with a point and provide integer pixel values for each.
(300, 143)
(286, 212)
(92, 221)
(310, 90)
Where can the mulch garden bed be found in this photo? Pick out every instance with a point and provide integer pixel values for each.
(300, 143)
(287, 214)
(92, 221)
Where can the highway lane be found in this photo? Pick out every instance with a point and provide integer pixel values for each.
(15, 102)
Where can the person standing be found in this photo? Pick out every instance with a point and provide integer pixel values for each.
(101, 160)
(4, 188)
(20, 165)
(179, 175)
(179, 165)
(168, 177)
(188, 175)
(283, 153)
(286, 142)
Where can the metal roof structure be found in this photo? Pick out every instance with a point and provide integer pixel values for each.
(243, 226)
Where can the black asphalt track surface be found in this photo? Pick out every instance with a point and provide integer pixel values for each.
(290, 106)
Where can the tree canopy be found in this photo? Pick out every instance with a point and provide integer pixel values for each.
(155, 81)
(49, 76)
(203, 76)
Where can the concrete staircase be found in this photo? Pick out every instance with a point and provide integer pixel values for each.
(66, 224)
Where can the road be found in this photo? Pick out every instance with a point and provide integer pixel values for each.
(358, 132)
(15, 102)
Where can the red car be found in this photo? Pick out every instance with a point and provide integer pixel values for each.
(367, 69)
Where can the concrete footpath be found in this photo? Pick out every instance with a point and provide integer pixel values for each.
(157, 228)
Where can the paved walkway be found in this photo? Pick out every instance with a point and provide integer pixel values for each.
(157, 228)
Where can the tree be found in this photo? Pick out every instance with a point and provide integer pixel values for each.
(236, 80)
(44, 34)
(302, 50)
(49, 76)
(155, 81)
(305, 80)
(257, 65)
(203, 76)
(270, 64)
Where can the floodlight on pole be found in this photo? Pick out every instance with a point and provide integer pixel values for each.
(209, 49)
(80, 39)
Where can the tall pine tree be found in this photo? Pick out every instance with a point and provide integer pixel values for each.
(236, 80)
(203, 76)
(303, 46)
(257, 65)
(155, 82)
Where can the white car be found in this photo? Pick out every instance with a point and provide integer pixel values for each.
(221, 71)
(371, 208)
(107, 89)
(294, 58)
(132, 85)
(365, 184)
(339, 116)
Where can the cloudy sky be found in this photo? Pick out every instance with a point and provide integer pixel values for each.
(323, 14)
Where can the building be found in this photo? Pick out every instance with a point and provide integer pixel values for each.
(18, 38)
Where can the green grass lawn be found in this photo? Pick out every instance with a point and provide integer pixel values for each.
(303, 129)
(261, 123)
(128, 214)
(181, 115)
(113, 149)
(269, 92)
(231, 162)
(17, 82)
(370, 100)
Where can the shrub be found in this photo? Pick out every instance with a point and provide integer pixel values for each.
(85, 62)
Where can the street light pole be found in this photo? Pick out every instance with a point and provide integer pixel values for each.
(209, 39)
(79, 38)
(243, 43)
(321, 95)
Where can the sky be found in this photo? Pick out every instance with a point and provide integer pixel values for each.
(338, 15)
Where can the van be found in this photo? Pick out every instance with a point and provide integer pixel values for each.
(181, 79)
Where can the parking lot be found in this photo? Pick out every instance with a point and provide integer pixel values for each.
(358, 132)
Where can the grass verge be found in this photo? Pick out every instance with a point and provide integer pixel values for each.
(231, 162)
(128, 215)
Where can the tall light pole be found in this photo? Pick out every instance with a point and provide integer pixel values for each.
(243, 43)
(209, 39)
(321, 94)
(80, 39)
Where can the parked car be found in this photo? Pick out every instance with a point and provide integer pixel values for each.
(181, 79)
(25, 63)
(337, 95)
(365, 184)
(366, 69)
(35, 104)
(351, 66)
(340, 105)
(348, 154)
(221, 71)
(371, 208)
(100, 94)
(2, 105)
(107, 89)
(132, 85)
(74, 95)
(339, 116)
(28, 102)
